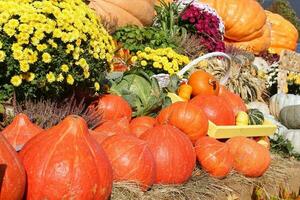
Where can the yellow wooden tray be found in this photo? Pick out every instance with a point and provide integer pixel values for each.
(220, 132)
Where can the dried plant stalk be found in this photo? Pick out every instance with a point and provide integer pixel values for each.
(47, 113)
(109, 23)
(189, 45)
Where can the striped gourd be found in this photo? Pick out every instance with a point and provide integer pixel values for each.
(255, 117)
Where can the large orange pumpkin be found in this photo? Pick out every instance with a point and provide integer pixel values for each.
(284, 35)
(65, 162)
(12, 173)
(250, 158)
(110, 128)
(140, 125)
(131, 160)
(244, 19)
(112, 107)
(186, 117)
(173, 154)
(214, 156)
(137, 12)
(235, 101)
(203, 83)
(20, 131)
(255, 45)
(216, 108)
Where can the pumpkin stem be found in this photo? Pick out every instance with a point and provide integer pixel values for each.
(213, 83)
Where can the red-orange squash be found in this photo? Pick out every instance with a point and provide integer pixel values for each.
(140, 125)
(112, 107)
(214, 157)
(203, 83)
(12, 173)
(110, 128)
(65, 162)
(235, 101)
(284, 35)
(216, 108)
(244, 19)
(20, 131)
(249, 158)
(137, 12)
(173, 154)
(131, 160)
(186, 117)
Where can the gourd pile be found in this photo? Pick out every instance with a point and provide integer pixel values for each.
(154, 122)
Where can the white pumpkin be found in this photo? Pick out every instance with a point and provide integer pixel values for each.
(293, 135)
(262, 107)
(260, 64)
(278, 101)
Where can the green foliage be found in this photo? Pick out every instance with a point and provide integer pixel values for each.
(284, 8)
(142, 93)
(283, 147)
(138, 38)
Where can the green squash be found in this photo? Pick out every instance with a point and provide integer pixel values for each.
(256, 117)
(290, 116)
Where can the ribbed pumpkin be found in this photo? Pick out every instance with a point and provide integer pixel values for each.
(255, 45)
(131, 160)
(173, 154)
(203, 83)
(65, 162)
(284, 35)
(186, 117)
(235, 101)
(112, 107)
(140, 125)
(214, 156)
(244, 19)
(216, 108)
(110, 128)
(20, 131)
(12, 186)
(137, 12)
(255, 117)
(250, 158)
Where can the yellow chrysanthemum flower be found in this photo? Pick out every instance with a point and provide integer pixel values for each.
(144, 63)
(29, 76)
(24, 66)
(64, 68)
(41, 47)
(16, 80)
(86, 74)
(97, 86)
(50, 77)
(134, 59)
(1, 44)
(70, 79)
(60, 78)
(46, 57)
(2, 56)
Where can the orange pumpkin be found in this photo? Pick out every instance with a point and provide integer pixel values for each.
(137, 12)
(12, 173)
(284, 35)
(250, 158)
(255, 45)
(216, 108)
(112, 107)
(20, 131)
(244, 19)
(65, 162)
(173, 154)
(235, 101)
(131, 160)
(203, 83)
(214, 156)
(186, 117)
(140, 125)
(110, 128)
(185, 91)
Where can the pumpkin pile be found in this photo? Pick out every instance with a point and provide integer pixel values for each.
(143, 150)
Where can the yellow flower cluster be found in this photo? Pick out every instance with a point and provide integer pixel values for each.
(294, 78)
(72, 28)
(162, 59)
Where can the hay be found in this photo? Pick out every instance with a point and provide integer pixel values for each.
(202, 186)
